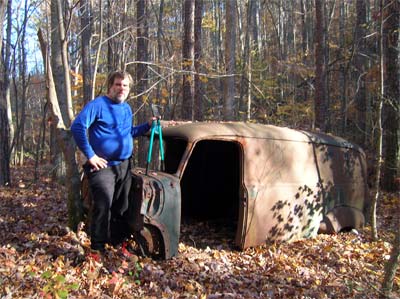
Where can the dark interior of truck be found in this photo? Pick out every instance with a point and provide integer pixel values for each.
(210, 184)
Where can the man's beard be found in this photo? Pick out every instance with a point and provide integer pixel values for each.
(119, 99)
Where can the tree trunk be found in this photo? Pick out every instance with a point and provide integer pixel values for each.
(160, 30)
(23, 83)
(379, 149)
(187, 60)
(4, 146)
(40, 144)
(141, 70)
(255, 25)
(65, 140)
(66, 68)
(4, 124)
(61, 106)
(159, 43)
(58, 73)
(343, 70)
(59, 61)
(86, 51)
(217, 53)
(198, 85)
(327, 17)
(360, 66)
(392, 264)
(98, 50)
(245, 64)
(392, 95)
(230, 61)
(7, 70)
(304, 40)
(110, 52)
(320, 108)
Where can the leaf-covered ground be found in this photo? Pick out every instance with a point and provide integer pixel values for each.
(41, 258)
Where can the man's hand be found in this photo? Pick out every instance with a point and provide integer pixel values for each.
(97, 163)
(154, 118)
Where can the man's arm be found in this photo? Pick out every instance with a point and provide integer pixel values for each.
(140, 129)
(79, 129)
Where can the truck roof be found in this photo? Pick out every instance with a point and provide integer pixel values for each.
(193, 131)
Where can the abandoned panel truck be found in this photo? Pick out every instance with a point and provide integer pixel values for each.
(271, 183)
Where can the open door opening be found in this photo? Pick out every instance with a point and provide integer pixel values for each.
(210, 189)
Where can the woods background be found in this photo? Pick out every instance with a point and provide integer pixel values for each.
(325, 64)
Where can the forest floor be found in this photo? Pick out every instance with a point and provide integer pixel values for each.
(41, 258)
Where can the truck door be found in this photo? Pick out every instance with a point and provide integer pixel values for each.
(155, 212)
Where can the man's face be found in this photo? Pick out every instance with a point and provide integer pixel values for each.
(119, 91)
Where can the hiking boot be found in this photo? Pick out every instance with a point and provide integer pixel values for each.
(126, 251)
(101, 262)
(94, 263)
(96, 256)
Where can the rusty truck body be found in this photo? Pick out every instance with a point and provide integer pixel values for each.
(272, 183)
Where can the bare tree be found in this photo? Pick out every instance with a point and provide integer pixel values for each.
(230, 61)
(379, 134)
(304, 32)
(4, 127)
(217, 41)
(360, 71)
(141, 68)
(98, 50)
(343, 68)
(391, 93)
(246, 63)
(23, 79)
(61, 76)
(59, 60)
(198, 85)
(64, 137)
(391, 108)
(110, 52)
(320, 101)
(392, 264)
(86, 51)
(187, 60)
(61, 108)
(160, 16)
(7, 70)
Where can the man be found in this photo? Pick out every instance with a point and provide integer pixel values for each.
(108, 147)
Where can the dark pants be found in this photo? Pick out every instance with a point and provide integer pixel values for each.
(110, 192)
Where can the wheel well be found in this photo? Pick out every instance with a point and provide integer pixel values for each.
(342, 219)
(151, 242)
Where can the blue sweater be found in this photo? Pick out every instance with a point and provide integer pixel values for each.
(110, 130)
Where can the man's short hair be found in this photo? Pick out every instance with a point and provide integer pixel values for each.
(120, 75)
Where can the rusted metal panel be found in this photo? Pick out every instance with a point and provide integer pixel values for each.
(343, 174)
(281, 179)
(156, 211)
